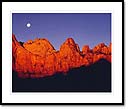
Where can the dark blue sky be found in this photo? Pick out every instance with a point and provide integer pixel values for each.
(85, 28)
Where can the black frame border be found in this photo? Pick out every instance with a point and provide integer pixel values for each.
(55, 104)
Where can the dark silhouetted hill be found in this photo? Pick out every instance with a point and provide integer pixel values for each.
(94, 78)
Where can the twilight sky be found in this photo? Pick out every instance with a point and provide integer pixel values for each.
(85, 28)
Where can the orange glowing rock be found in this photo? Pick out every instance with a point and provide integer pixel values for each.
(41, 47)
(89, 57)
(98, 48)
(38, 58)
(85, 49)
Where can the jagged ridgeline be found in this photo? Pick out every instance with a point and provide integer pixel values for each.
(38, 58)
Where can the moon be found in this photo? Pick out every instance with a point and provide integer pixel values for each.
(28, 25)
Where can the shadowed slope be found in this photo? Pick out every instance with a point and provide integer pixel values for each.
(93, 78)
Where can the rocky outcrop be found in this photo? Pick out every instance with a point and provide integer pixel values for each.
(70, 54)
(102, 48)
(41, 47)
(38, 58)
(85, 49)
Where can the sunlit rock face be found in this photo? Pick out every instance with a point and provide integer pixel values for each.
(85, 49)
(38, 58)
(41, 47)
(70, 54)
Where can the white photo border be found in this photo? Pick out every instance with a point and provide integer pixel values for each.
(116, 10)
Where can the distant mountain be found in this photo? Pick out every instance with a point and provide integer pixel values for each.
(38, 58)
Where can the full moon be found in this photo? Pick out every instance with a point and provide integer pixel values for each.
(28, 25)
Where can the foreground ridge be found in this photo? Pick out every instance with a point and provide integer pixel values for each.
(38, 58)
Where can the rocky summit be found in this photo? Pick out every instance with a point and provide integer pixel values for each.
(38, 58)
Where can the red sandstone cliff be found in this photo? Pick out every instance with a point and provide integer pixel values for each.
(38, 58)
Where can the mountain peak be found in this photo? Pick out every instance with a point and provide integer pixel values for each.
(14, 40)
(69, 46)
(70, 41)
(38, 58)
(41, 47)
